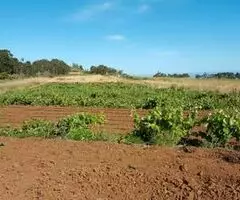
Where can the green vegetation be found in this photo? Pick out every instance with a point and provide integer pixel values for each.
(104, 70)
(220, 75)
(164, 126)
(221, 127)
(169, 126)
(172, 117)
(74, 127)
(11, 66)
(119, 95)
(160, 74)
(226, 75)
(4, 76)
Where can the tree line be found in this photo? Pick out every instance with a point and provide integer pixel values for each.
(220, 75)
(175, 75)
(9, 66)
(227, 75)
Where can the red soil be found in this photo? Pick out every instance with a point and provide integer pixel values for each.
(117, 120)
(66, 170)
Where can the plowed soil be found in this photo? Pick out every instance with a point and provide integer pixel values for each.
(55, 169)
(116, 120)
(66, 170)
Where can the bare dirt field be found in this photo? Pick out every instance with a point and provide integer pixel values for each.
(66, 170)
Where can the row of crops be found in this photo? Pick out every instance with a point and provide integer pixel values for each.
(173, 115)
(120, 95)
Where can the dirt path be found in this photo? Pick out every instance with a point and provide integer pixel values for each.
(65, 170)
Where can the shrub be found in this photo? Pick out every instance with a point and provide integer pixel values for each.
(150, 103)
(4, 76)
(80, 122)
(80, 134)
(32, 128)
(164, 126)
(221, 127)
(74, 127)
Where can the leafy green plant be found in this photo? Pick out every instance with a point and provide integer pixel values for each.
(119, 95)
(150, 103)
(74, 127)
(80, 122)
(80, 134)
(32, 128)
(221, 127)
(4, 76)
(164, 126)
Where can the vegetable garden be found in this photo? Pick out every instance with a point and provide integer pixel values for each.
(61, 156)
(171, 115)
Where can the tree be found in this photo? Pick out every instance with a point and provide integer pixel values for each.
(8, 63)
(104, 70)
(77, 67)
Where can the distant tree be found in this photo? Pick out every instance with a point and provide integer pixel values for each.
(220, 75)
(104, 70)
(53, 67)
(159, 74)
(77, 67)
(8, 63)
(184, 75)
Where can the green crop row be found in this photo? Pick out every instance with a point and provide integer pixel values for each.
(162, 126)
(119, 95)
(170, 126)
(75, 127)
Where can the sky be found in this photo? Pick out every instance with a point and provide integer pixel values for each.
(140, 37)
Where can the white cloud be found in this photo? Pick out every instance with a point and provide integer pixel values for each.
(91, 11)
(115, 37)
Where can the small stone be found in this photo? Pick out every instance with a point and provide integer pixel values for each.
(183, 168)
(52, 162)
(200, 173)
(131, 167)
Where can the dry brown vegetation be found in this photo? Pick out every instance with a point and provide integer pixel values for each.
(222, 85)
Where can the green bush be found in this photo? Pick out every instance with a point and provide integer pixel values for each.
(32, 128)
(74, 127)
(164, 126)
(222, 126)
(80, 134)
(150, 103)
(4, 76)
(68, 126)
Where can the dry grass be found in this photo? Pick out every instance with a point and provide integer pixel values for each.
(221, 85)
(21, 83)
(197, 84)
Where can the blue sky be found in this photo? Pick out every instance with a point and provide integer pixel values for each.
(138, 36)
